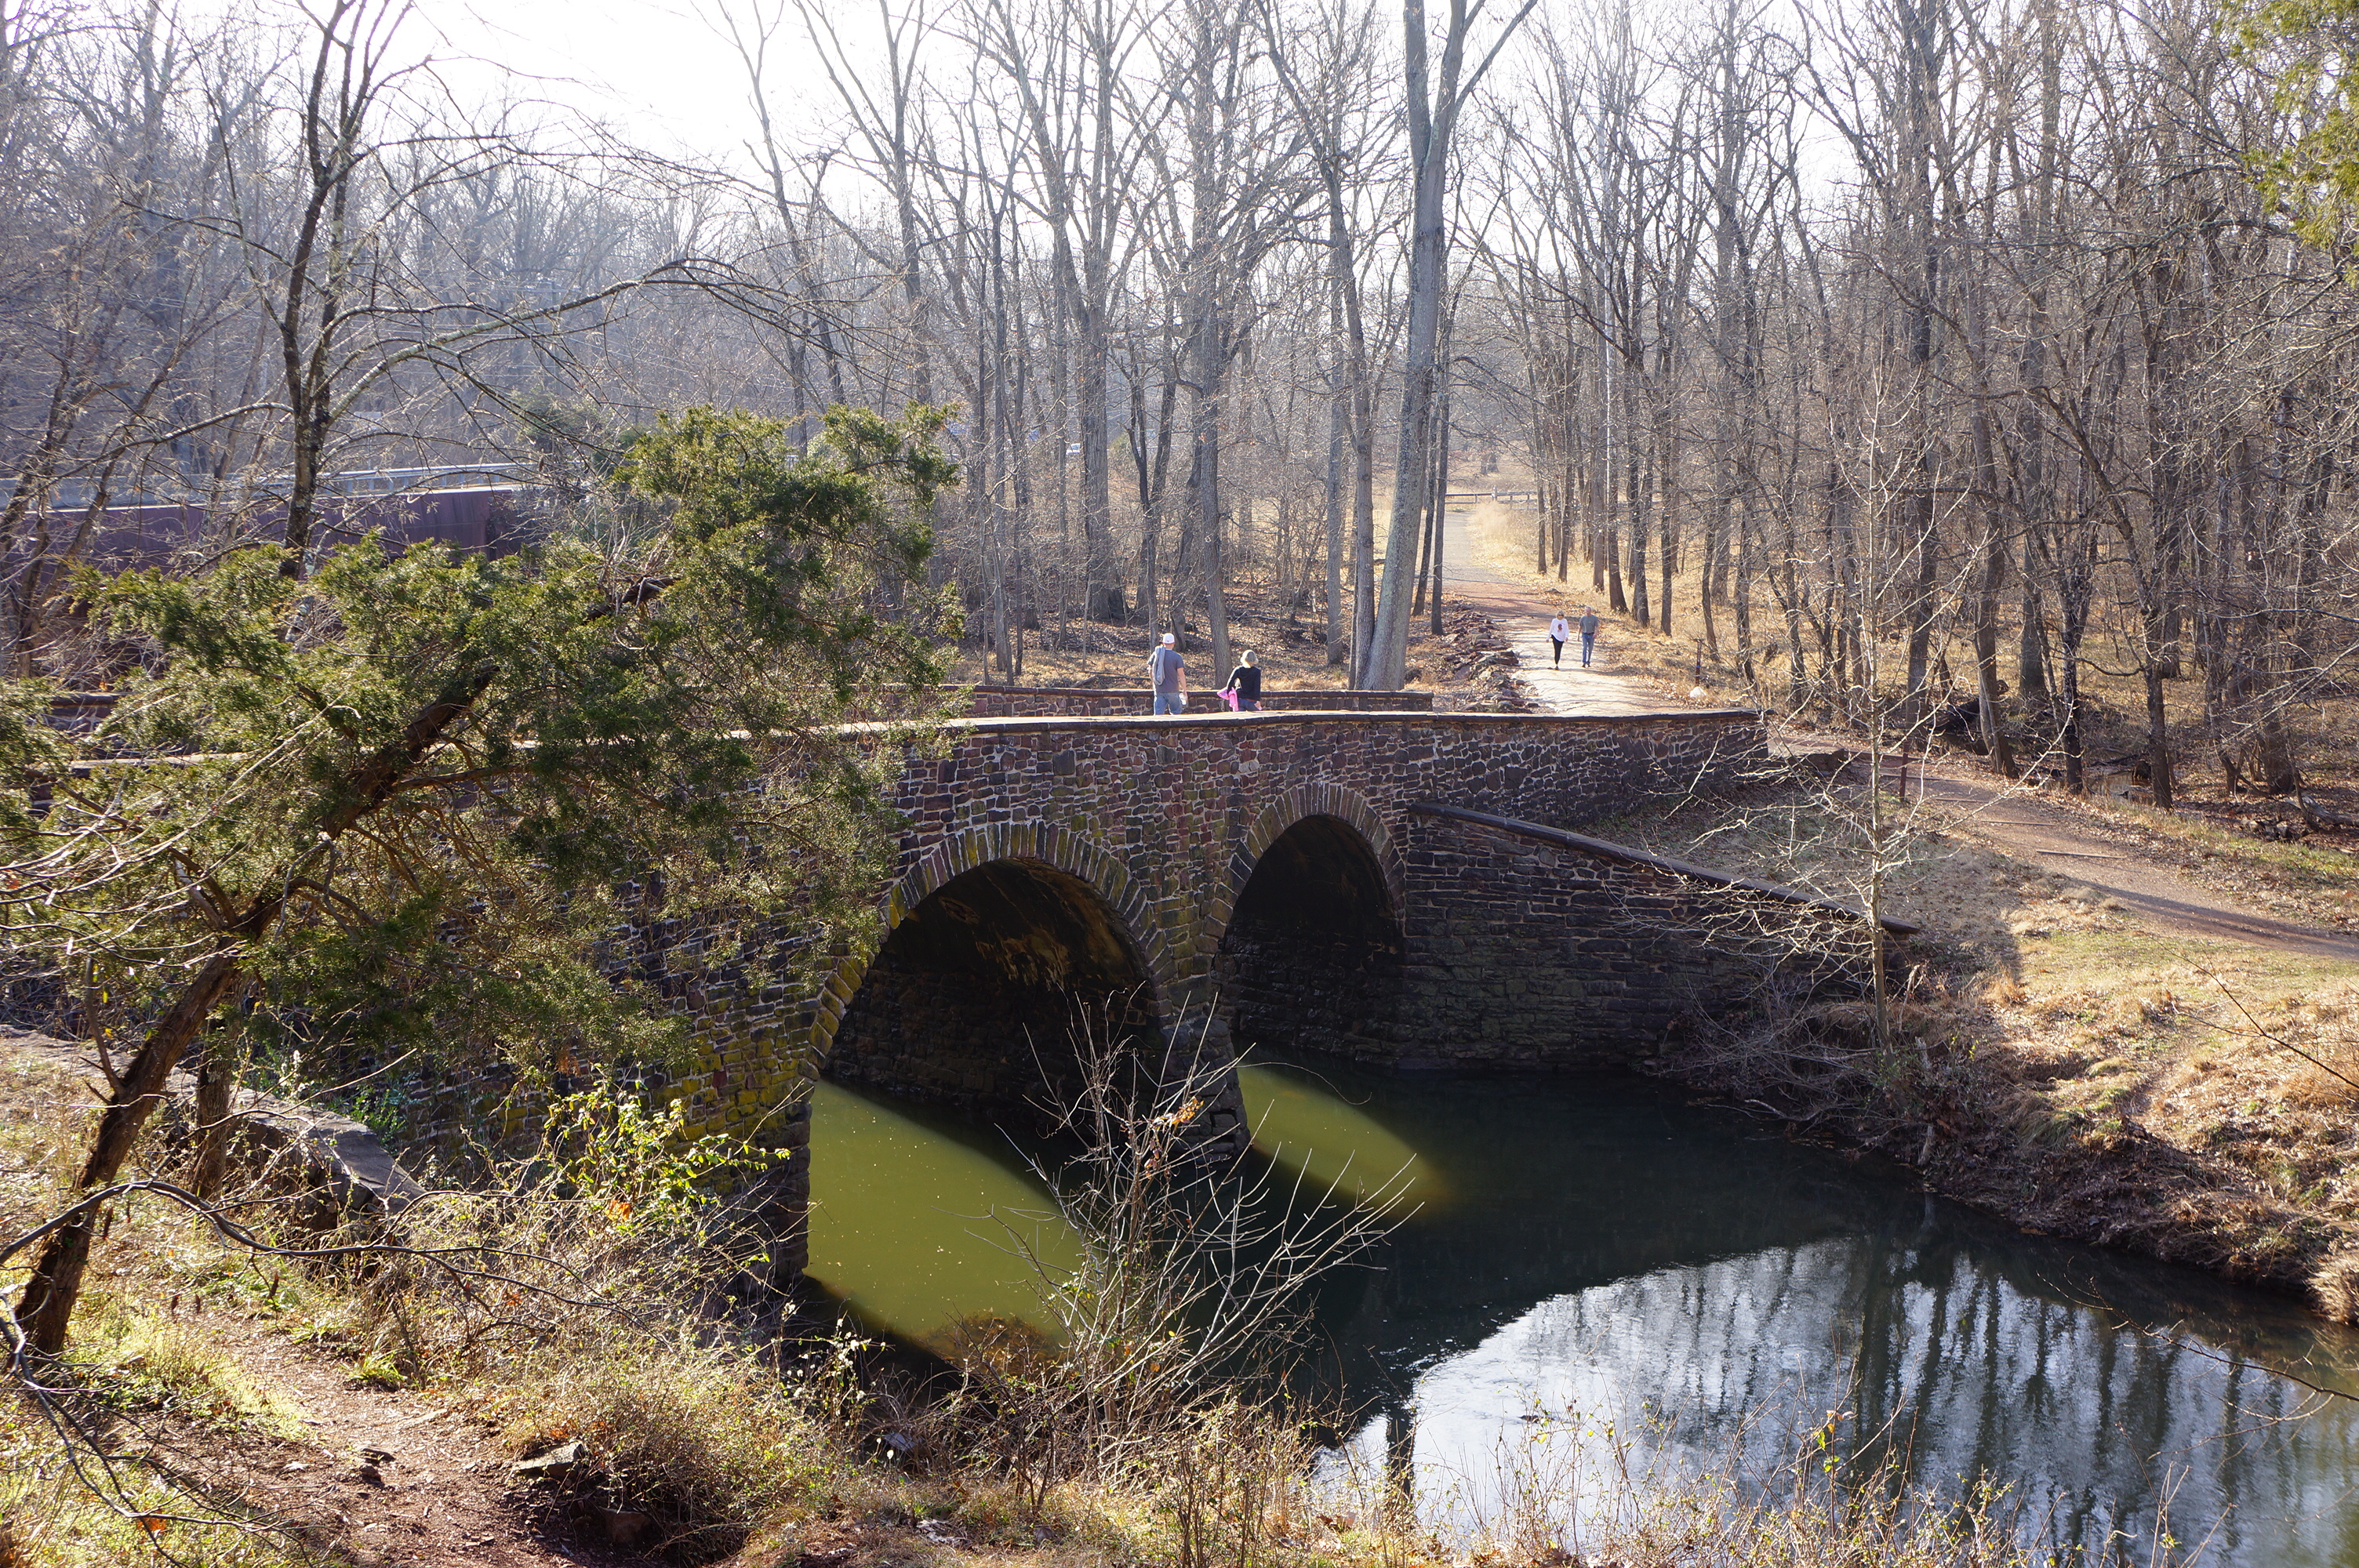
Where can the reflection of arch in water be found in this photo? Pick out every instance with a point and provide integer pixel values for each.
(1311, 946)
(1001, 942)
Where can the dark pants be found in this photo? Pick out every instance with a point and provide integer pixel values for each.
(1556, 650)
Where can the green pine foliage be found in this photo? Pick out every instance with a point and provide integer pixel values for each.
(2308, 51)
(445, 784)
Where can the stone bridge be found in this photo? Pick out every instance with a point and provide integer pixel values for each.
(1399, 887)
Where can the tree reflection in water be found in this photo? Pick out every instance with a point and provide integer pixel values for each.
(1622, 1266)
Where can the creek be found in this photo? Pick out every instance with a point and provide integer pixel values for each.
(1601, 1280)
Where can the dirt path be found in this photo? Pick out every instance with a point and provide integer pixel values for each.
(1521, 613)
(387, 1476)
(2109, 863)
(378, 1475)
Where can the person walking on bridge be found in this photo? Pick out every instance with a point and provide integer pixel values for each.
(1560, 633)
(1244, 686)
(1588, 633)
(1170, 677)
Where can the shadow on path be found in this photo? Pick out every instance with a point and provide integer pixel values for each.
(2073, 849)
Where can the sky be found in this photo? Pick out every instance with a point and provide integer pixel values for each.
(658, 70)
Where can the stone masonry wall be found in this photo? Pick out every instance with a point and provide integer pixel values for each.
(1529, 947)
(1158, 814)
(1523, 953)
(1165, 819)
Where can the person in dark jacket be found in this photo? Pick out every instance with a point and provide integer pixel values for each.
(1246, 681)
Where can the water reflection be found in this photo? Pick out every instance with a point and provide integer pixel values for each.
(1308, 1129)
(917, 1216)
(1619, 1264)
(1595, 1253)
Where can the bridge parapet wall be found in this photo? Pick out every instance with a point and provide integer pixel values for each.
(1100, 702)
(1172, 799)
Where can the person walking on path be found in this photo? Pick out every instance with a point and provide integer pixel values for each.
(1559, 633)
(1588, 634)
(1170, 676)
(1245, 683)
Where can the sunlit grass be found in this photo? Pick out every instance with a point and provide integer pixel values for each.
(51, 1520)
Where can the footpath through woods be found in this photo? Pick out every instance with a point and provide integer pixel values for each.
(1521, 613)
(2110, 863)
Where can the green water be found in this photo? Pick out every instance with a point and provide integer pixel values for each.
(1308, 1130)
(1587, 1252)
(920, 1219)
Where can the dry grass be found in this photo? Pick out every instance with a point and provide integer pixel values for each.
(49, 1519)
(135, 1359)
(2312, 882)
(703, 1439)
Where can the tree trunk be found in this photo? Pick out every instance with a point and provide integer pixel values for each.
(48, 1302)
(1433, 118)
(1441, 510)
(1336, 420)
(217, 1076)
(1986, 683)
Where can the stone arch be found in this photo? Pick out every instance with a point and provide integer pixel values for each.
(1289, 811)
(992, 937)
(1310, 930)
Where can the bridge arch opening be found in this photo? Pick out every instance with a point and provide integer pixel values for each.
(1311, 958)
(974, 997)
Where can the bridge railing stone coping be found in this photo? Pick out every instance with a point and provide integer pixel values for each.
(987, 701)
(1457, 720)
(1629, 855)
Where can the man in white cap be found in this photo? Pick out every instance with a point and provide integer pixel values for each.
(1170, 674)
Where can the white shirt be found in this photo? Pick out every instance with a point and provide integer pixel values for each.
(1559, 630)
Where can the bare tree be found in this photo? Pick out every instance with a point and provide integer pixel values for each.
(1435, 103)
